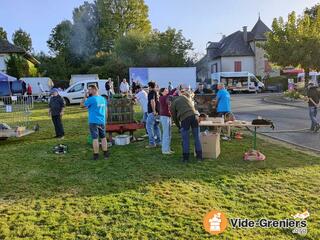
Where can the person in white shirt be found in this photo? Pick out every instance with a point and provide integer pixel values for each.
(124, 87)
(142, 98)
(112, 88)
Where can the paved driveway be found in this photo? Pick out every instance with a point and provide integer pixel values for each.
(286, 118)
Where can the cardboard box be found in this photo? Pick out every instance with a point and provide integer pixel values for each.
(210, 143)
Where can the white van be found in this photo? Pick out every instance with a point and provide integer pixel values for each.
(238, 81)
(75, 93)
(83, 77)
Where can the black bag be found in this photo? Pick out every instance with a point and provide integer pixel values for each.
(263, 122)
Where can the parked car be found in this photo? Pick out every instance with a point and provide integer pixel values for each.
(75, 93)
(274, 88)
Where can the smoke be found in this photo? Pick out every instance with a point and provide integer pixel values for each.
(84, 34)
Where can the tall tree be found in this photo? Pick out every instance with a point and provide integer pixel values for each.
(84, 37)
(22, 39)
(3, 34)
(295, 42)
(173, 47)
(59, 41)
(312, 12)
(118, 18)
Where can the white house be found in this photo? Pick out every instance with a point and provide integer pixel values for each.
(7, 49)
(237, 52)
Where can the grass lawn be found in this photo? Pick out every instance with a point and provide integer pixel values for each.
(140, 194)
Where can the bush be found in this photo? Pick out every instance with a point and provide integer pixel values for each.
(293, 94)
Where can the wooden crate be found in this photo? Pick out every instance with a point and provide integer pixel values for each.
(205, 103)
(120, 110)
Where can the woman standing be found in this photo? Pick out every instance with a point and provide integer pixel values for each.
(165, 119)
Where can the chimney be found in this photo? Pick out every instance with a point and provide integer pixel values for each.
(245, 33)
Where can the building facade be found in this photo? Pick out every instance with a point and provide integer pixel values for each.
(7, 49)
(240, 51)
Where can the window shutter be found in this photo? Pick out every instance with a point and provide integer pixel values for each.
(237, 66)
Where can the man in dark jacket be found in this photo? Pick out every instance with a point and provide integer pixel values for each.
(185, 117)
(56, 110)
(313, 98)
(202, 90)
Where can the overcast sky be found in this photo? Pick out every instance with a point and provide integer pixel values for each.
(200, 20)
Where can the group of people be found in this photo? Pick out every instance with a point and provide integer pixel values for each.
(166, 105)
(160, 107)
(97, 114)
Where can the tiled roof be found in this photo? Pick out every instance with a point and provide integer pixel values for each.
(259, 31)
(235, 44)
(232, 45)
(7, 47)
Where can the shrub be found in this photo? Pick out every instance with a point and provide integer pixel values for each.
(293, 94)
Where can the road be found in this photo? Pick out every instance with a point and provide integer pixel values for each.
(285, 118)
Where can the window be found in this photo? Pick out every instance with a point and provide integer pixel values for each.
(92, 83)
(237, 66)
(214, 68)
(77, 88)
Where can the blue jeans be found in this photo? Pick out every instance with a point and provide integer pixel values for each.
(144, 120)
(97, 131)
(186, 124)
(313, 116)
(144, 117)
(166, 133)
(153, 130)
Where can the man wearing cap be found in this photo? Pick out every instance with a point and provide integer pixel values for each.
(56, 110)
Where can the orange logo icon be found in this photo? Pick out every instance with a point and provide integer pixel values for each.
(215, 222)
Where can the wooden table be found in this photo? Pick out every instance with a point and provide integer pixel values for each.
(239, 124)
(7, 133)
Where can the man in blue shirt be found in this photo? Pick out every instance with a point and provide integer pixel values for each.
(223, 101)
(96, 106)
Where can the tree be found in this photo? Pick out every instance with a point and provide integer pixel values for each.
(295, 42)
(17, 66)
(22, 39)
(84, 37)
(59, 41)
(109, 36)
(118, 18)
(3, 34)
(173, 47)
(312, 12)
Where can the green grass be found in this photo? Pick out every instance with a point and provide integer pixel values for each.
(139, 194)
